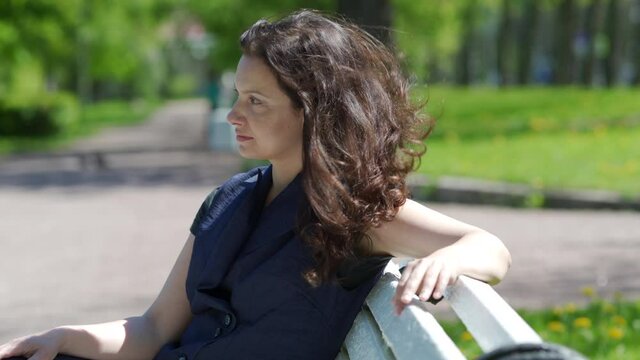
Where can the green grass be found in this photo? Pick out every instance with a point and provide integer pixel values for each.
(93, 118)
(545, 137)
(601, 330)
(606, 159)
(479, 112)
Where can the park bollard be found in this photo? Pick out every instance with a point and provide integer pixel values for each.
(221, 134)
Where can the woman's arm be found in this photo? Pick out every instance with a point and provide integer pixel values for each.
(442, 247)
(137, 337)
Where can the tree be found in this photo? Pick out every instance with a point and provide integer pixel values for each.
(612, 59)
(563, 47)
(528, 26)
(468, 12)
(504, 36)
(426, 34)
(227, 19)
(593, 24)
(374, 16)
(635, 45)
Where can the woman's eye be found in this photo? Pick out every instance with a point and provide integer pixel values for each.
(254, 101)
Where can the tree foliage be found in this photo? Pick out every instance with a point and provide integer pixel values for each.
(227, 19)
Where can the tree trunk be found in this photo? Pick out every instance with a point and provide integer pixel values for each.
(463, 71)
(504, 35)
(525, 43)
(593, 23)
(565, 27)
(635, 46)
(611, 61)
(374, 16)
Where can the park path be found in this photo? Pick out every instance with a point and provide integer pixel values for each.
(96, 245)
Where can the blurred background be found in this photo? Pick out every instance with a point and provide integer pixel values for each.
(112, 132)
(554, 83)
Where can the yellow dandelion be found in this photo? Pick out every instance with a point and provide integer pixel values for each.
(608, 308)
(615, 333)
(600, 130)
(582, 322)
(538, 124)
(588, 291)
(619, 320)
(466, 336)
(558, 310)
(570, 308)
(556, 326)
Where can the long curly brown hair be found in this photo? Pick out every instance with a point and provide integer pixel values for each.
(361, 135)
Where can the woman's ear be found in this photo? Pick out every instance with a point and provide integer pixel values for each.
(301, 115)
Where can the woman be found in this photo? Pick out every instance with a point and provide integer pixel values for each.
(280, 259)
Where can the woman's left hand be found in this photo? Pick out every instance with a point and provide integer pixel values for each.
(427, 277)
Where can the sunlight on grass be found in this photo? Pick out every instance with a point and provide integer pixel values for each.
(545, 137)
(603, 160)
(480, 112)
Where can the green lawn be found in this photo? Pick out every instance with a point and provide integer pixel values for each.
(602, 330)
(93, 118)
(545, 137)
(485, 112)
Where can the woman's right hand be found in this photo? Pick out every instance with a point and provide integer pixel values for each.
(41, 346)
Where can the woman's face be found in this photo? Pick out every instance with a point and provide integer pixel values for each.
(267, 125)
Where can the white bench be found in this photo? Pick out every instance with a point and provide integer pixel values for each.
(377, 333)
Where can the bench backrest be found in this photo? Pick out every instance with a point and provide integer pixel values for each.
(378, 333)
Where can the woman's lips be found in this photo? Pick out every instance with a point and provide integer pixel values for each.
(241, 138)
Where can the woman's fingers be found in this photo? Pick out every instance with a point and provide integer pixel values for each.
(425, 277)
(41, 355)
(12, 348)
(407, 273)
(411, 278)
(443, 281)
(429, 280)
(32, 347)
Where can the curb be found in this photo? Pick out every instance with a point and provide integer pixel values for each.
(473, 191)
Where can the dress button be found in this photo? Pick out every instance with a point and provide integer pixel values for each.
(227, 320)
(217, 333)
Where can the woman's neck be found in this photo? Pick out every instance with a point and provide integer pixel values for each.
(282, 173)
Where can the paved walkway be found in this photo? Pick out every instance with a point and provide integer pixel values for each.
(91, 246)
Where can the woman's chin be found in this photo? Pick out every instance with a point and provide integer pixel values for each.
(250, 156)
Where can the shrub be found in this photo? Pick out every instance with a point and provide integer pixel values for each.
(43, 116)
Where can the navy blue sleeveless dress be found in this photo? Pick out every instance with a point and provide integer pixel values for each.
(245, 288)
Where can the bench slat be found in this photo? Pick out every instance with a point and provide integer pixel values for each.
(415, 333)
(487, 316)
(365, 341)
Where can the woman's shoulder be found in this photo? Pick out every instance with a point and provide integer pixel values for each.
(220, 197)
(244, 176)
(233, 183)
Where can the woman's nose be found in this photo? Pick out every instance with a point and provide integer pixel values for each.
(234, 117)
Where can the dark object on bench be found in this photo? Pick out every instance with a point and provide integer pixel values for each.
(544, 351)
